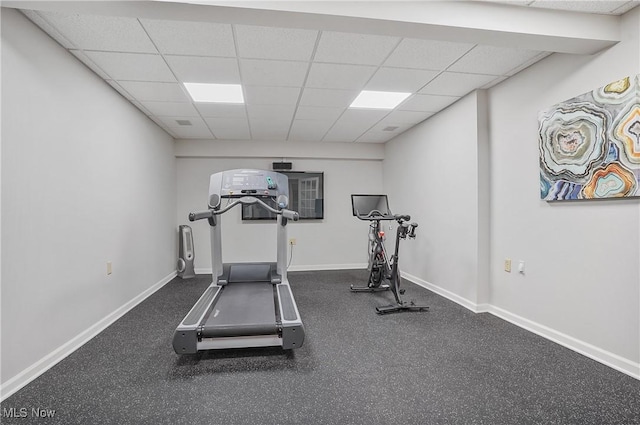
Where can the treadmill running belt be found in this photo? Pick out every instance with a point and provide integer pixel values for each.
(244, 309)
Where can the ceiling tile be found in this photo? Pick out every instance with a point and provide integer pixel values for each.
(528, 63)
(599, 6)
(331, 76)
(132, 66)
(229, 128)
(378, 134)
(120, 90)
(89, 63)
(259, 95)
(221, 110)
(349, 48)
(188, 132)
(456, 84)
(275, 43)
(197, 129)
(318, 113)
(191, 38)
(195, 69)
(342, 134)
(145, 111)
(386, 123)
(156, 120)
(233, 133)
(277, 113)
(309, 130)
(624, 8)
(328, 97)
(172, 121)
(48, 28)
(493, 60)
(88, 32)
(494, 82)
(226, 122)
(169, 109)
(399, 79)
(426, 54)
(269, 130)
(427, 103)
(162, 92)
(353, 123)
(362, 117)
(257, 72)
(407, 117)
(375, 137)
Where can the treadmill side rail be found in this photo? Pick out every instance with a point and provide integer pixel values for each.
(292, 327)
(292, 336)
(185, 338)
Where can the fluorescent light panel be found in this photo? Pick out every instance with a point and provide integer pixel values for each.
(215, 93)
(378, 99)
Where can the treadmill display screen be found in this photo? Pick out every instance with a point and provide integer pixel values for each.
(245, 181)
(363, 204)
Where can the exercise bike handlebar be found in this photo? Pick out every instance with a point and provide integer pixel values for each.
(401, 218)
(375, 215)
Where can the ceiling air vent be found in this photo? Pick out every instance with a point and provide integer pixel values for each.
(390, 128)
(183, 122)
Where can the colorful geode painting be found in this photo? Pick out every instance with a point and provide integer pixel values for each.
(590, 145)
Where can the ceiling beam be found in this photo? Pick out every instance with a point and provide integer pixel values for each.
(459, 21)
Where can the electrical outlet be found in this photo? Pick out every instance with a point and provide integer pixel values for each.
(521, 266)
(507, 265)
(292, 241)
(109, 268)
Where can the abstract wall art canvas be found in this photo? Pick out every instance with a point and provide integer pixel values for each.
(590, 145)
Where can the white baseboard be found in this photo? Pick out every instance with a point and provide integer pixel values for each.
(612, 360)
(315, 267)
(476, 308)
(607, 358)
(318, 267)
(47, 362)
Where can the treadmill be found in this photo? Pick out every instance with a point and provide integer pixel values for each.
(247, 304)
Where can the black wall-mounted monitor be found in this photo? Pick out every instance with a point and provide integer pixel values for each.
(364, 204)
(306, 196)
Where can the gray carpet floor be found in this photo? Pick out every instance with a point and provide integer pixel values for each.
(444, 366)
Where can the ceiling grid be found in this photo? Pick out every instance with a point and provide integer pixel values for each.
(297, 83)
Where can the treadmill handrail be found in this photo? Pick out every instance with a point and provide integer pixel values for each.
(245, 200)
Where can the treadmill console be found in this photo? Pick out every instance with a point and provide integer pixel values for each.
(239, 183)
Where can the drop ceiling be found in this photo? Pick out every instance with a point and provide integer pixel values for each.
(298, 80)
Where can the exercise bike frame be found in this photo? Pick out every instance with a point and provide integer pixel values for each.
(381, 266)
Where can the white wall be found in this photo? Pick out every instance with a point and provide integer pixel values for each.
(581, 286)
(582, 277)
(86, 179)
(431, 173)
(337, 241)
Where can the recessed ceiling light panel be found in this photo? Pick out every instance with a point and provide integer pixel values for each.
(215, 93)
(379, 99)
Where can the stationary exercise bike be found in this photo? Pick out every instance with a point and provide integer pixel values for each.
(383, 268)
